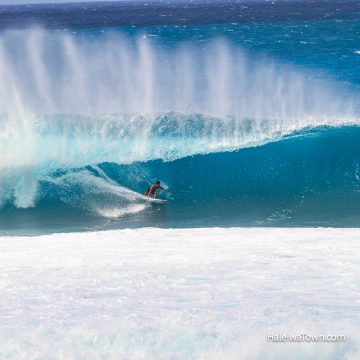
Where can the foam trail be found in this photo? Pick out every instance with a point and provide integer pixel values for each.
(99, 195)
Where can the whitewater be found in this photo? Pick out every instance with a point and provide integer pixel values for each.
(180, 294)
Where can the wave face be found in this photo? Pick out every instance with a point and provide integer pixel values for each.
(310, 178)
(88, 120)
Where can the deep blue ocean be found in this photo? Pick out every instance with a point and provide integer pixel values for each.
(248, 113)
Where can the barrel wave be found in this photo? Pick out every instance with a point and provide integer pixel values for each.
(89, 120)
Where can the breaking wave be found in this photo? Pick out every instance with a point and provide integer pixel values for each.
(70, 105)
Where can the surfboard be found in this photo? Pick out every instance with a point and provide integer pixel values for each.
(150, 199)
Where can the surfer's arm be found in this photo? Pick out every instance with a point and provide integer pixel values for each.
(150, 191)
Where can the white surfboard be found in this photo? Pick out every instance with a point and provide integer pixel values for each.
(151, 199)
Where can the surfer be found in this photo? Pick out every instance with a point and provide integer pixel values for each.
(152, 189)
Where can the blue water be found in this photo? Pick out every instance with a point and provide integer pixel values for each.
(248, 113)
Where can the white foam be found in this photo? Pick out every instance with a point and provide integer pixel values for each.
(100, 195)
(117, 212)
(182, 293)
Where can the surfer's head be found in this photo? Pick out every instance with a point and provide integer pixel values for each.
(158, 182)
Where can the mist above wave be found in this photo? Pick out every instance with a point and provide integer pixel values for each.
(51, 72)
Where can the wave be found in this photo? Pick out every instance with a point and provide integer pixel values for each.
(309, 178)
(45, 145)
(72, 103)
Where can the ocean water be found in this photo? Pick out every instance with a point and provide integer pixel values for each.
(248, 113)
